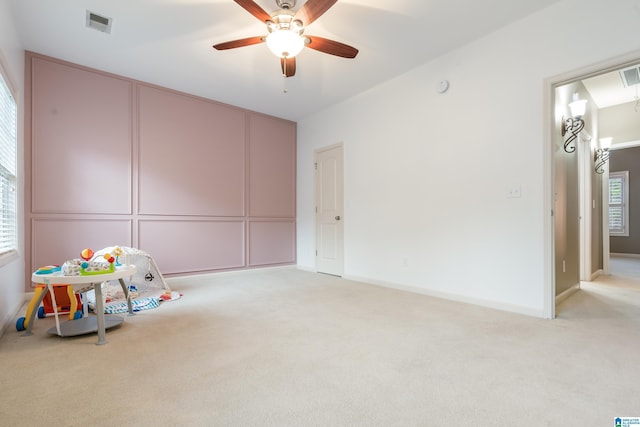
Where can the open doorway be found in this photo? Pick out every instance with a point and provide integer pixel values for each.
(581, 170)
(624, 185)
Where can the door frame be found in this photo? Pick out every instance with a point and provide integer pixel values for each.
(606, 249)
(584, 148)
(549, 127)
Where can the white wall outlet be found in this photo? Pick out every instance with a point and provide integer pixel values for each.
(513, 192)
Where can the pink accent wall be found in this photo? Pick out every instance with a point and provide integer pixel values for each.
(272, 167)
(53, 237)
(192, 155)
(271, 241)
(198, 245)
(202, 186)
(81, 140)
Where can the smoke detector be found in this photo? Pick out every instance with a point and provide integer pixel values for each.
(98, 22)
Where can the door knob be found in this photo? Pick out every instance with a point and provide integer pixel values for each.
(337, 217)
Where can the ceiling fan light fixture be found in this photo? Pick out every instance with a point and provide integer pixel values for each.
(285, 32)
(285, 43)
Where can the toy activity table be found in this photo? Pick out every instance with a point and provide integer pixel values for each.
(87, 324)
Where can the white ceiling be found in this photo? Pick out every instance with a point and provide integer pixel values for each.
(168, 42)
(608, 90)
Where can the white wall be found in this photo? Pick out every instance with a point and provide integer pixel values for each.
(12, 58)
(427, 175)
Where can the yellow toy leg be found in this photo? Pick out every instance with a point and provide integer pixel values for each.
(73, 302)
(34, 303)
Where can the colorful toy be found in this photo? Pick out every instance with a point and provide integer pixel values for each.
(170, 296)
(66, 301)
(84, 269)
(48, 269)
(109, 258)
(86, 254)
(117, 252)
(88, 267)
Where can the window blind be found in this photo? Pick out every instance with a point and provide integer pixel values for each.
(8, 138)
(617, 203)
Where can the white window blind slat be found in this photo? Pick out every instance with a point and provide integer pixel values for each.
(8, 139)
(618, 208)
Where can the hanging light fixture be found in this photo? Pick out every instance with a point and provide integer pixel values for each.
(285, 37)
(602, 154)
(285, 43)
(574, 124)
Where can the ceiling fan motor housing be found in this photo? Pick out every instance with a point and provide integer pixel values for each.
(283, 20)
(286, 4)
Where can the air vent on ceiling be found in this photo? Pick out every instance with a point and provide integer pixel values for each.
(630, 76)
(98, 22)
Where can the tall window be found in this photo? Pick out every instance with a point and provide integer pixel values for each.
(619, 203)
(8, 138)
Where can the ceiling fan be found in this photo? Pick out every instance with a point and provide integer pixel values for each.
(286, 28)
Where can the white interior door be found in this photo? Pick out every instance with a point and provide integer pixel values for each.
(329, 210)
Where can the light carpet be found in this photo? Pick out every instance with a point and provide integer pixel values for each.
(285, 347)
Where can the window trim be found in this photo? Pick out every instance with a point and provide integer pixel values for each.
(624, 176)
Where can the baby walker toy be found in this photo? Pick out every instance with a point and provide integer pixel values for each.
(67, 300)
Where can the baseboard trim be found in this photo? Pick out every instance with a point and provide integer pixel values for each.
(7, 322)
(621, 255)
(408, 288)
(452, 297)
(597, 274)
(566, 294)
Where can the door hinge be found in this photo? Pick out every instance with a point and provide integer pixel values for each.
(315, 165)
(316, 252)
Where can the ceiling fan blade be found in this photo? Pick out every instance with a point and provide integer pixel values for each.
(253, 8)
(239, 43)
(313, 9)
(288, 66)
(331, 47)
